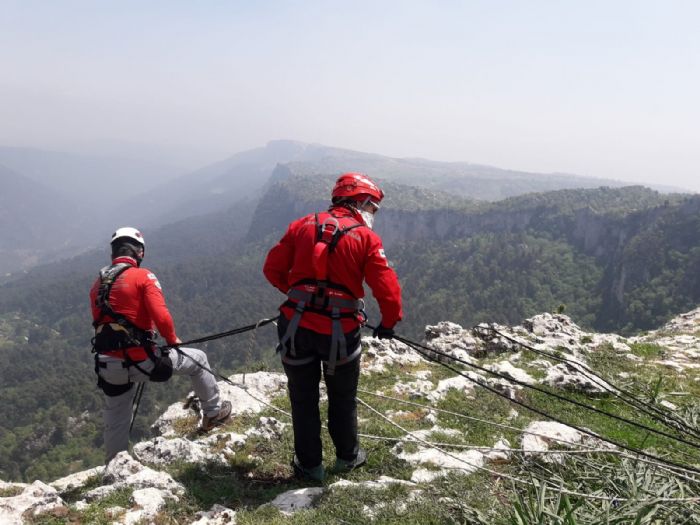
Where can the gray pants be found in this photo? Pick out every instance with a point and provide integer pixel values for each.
(117, 411)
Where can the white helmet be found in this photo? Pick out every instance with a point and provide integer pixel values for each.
(128, 233)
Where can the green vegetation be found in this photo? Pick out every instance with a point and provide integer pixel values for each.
(471, 262)
(550, 492)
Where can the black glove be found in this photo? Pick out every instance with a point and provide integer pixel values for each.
(382, 332)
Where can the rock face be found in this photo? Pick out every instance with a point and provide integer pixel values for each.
(680, 338)
(125, 471)
(32, 500)
(248, 396)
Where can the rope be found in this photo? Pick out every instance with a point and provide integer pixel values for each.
(656, 413)
(265, 403)
(235, 331)
(417, 347)
(142, 385)
(518, 480)
(675, 470)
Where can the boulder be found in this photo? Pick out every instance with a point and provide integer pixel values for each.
(77, 480)
(507, 369)
(125, 471)
(381, 353)
(36, 498)
(149, 502)
(453, 340)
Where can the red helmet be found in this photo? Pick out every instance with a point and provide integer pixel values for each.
(354, 184)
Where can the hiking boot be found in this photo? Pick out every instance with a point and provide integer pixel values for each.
(209, 422)
(343, 465)
(312, 474)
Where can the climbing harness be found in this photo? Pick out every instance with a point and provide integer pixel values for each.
(321, 296)
(122, 334)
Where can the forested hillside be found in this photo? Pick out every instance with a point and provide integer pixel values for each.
(155, 195)
(614, 259)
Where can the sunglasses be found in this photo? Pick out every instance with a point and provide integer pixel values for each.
(374, 207)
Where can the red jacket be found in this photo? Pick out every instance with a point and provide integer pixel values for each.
(358, 256)
(137, 295)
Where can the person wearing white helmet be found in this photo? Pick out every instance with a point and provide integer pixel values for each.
(127, 305)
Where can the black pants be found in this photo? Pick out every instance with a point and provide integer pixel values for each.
(303, 384)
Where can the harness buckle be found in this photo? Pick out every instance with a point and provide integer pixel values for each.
(328, 230)
(320, 298)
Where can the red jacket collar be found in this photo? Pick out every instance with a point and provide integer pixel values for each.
(342, 211)
(125, 259)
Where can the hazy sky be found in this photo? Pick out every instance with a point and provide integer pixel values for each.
(600, 88)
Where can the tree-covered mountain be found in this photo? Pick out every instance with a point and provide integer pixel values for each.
(151, 194)
(614, 258)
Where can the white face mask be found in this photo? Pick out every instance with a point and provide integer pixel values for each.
(368, 218)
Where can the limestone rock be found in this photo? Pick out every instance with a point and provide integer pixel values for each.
(226, 442)
(451, 339)
(507, 369)
(380, 353)
(162, 451)
(380, 483)
(268, 428)
(149, 502)
(260, 385)
(34, 499)
(465, 462)
(217, 515)
(458, 383)
(77, 480)
(414, 389)
(567, 377)
(125, 471)
(294, 500)
(500, 454)
(538, 436)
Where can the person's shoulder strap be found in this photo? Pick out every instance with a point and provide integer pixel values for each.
(108, 275)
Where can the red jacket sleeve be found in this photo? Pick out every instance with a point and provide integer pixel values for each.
(384, 283)
(279, 261)
(155, 304)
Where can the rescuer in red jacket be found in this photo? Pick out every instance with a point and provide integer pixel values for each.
(127, 305)
(320, 264)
